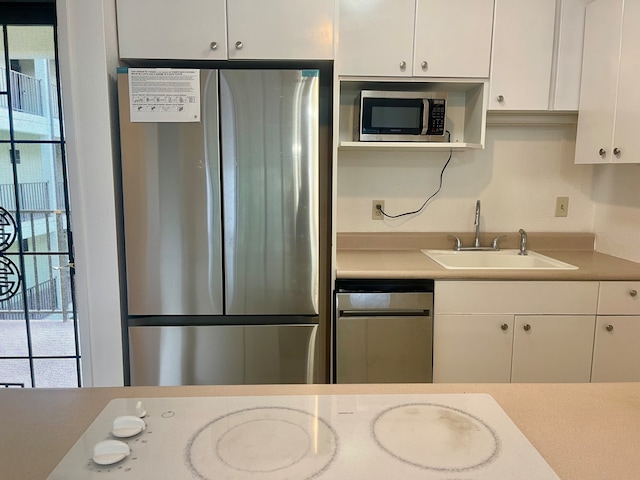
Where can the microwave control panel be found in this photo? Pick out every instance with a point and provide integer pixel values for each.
(437, 113)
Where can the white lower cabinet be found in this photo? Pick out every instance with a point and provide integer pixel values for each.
(552, 348)
(531, 331)
(472, 348)
(616, 356)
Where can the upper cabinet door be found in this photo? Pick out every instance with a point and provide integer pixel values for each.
(626, 141)
(376, 38)
(599, 85)
(522, 54)
(569, 54)
(280, 29)
(453, 38)
(189, 29)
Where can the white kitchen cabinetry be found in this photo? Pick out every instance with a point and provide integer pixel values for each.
(415, 38)
(190, 29)
(217, 29)
(472, 348)
(480, 334)
(568, 54)
(616, 356)
(552, 348)
(609, 111)
(522, 54)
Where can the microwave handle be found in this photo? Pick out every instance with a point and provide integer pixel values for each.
(426, 113)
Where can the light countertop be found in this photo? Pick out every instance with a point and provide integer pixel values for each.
(584, 431)
(399, 256)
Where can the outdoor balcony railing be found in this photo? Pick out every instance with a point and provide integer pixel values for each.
(26, 94)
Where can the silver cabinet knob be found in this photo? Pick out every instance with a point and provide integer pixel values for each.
(239, 45)
(609, 328)
(616, 152)
(504, 326)
(633, 293)
(424, 65)
(602, 152)
(500, 98)
(213, 45)
(403, 64)
(527, 327)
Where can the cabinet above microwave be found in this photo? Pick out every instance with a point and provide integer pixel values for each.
(463, 125)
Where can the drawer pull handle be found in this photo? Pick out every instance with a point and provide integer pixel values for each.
(527, 327)
(633, 293)
(609, 328)
(504, 326)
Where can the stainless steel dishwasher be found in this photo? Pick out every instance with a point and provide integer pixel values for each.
(383, 331)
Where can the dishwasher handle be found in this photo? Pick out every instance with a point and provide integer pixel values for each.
(384, 313)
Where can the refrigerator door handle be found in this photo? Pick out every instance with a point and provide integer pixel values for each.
(311, 355)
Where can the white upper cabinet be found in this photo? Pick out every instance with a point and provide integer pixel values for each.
(453, 38)
(190, 29)
(375, 38)
(282, 29)
(523, 42)
(219, 30)
(609, 112)
(420, 38)
(568, 57)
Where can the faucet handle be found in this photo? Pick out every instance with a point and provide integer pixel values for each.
(458, 246)
(494, 244)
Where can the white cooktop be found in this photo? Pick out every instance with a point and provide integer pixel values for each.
(440, 437)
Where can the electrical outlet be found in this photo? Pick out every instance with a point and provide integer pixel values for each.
(562, 206)
(375, 213)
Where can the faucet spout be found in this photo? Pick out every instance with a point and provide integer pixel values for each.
(523, 242)
(477, 224)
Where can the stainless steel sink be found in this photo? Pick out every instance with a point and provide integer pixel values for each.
(495, 260)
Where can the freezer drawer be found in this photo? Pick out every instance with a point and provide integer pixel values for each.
(384, 337)
(223, 355)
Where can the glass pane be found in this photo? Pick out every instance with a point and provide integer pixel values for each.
(33, 82)
(15, 372)
(55, 373)
(13, 333)
(4, 112)
(41, 197)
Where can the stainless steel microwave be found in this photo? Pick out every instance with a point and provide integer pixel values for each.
(400, 116)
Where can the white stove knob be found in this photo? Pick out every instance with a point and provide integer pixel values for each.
(109, 452)
(127, 426)
(140, 411)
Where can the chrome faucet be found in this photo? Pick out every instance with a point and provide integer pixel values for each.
(523, 242)
(477, 224)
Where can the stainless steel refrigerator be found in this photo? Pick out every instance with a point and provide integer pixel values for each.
(221, 233)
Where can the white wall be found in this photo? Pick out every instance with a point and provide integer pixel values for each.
(517, 177)
(88, 57)
(617, 210)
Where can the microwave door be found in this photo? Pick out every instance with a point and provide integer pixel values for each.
(425, 117)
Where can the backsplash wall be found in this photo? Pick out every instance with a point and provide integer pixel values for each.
(617, 214)
(517, 177)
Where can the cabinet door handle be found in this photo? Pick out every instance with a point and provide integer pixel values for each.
(504, 326)
(616, 152)
(609, 328)
(500, 98)
(602, 152)
(424, 65)
(213, 45)
(403, 64)
(239, 45)
(527, 327)
(633, 293)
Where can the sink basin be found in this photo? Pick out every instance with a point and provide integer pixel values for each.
(495, 260)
